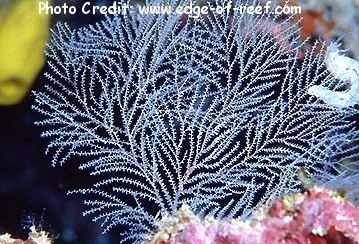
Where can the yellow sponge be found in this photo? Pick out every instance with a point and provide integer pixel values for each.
(23, 34)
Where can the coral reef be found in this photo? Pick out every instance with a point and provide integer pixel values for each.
(328, 19)
(317, 215)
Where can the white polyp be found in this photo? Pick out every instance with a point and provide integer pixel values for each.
(344, 69)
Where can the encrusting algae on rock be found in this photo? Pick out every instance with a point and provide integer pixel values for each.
(35, 237)
(316, 215)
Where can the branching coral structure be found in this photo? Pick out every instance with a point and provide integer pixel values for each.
(167, 110)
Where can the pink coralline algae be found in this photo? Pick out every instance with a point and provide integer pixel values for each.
(316, 216)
